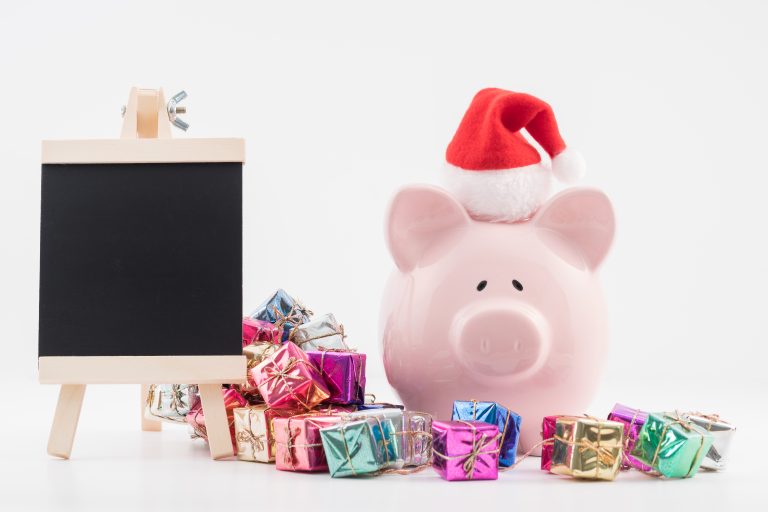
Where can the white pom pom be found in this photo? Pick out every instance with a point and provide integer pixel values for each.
(569, 166)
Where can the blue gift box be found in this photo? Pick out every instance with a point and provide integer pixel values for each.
(282, 310)
(494, 414)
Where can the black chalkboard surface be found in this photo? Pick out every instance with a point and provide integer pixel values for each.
(141, 259)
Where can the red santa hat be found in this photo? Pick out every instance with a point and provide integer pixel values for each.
(493, 170)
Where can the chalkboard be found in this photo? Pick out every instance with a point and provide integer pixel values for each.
(141, 259)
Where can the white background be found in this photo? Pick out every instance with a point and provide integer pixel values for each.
(340, 104)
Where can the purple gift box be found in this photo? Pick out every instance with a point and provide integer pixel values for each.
(465, 450)
(343, 373)
(633, 420)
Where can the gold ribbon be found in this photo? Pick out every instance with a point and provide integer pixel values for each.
(290, 445)
(247, 436)
(346, 449)
(356, 368)
(339, 332)
(503, 433)
(478, 447)
(277, 373)
(295, 315)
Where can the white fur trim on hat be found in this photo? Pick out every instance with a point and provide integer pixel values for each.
(569, 166)
(505, 195)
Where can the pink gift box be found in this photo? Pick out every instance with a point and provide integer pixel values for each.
(287, 379)
(255, 331)
(465, 450)
(547, 435)
(298, 445)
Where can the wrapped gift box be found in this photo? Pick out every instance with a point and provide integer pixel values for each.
(298, 445)
(287, 379)
(506, 420)
(343, 374)
(633, 420)
(355, 447)
(465, 450)
(722, 435)
(323, 332)
(171, 402)
(254, 431)
(671, 445)
(283, 311)
(587, 448)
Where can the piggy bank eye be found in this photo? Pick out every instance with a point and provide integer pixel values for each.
(517, 284)
(481, 285)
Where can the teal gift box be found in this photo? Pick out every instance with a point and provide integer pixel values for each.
(672, 445)
(358, 447)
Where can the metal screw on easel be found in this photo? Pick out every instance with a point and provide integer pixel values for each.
(174, 108)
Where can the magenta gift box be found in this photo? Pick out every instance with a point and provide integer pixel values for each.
(343, 373)
(465, 450)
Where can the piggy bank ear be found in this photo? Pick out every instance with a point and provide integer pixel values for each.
(422, 223)
(579, 225)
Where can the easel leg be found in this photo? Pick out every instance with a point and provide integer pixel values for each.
(216, 424)
(148, 425)
(65, 420)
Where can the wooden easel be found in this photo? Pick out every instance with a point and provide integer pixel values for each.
(146, 132)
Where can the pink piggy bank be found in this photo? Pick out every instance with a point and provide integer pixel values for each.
(511, 313)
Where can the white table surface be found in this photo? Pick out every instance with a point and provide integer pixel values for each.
(115, 466)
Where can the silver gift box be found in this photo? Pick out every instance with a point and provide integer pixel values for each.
(324, 332)
(722, 432)
(171, 402)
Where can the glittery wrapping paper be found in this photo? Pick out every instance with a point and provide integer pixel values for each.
(672, 446)
(298, 445)
(587, 448)
(254, 431)
(282, 310)
(287, 379)
(465, 450)
(171, 402)
(196, 417)
(722, 434)
(343, 374)
(352, 448)
(633, 420)
(260, 331)
(506, 420)
(321, 332)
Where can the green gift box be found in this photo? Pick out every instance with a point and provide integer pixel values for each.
(355, 447)
(671, 445)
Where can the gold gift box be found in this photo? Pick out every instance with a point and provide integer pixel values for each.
(254, 432)
(587, 448)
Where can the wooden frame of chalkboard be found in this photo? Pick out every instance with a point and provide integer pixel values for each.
(108, 209)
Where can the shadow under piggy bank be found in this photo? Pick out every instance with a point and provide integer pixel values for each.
(511, 313)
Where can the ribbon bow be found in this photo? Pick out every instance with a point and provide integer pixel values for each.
(295, 315)
(276, 373)
(257, 441)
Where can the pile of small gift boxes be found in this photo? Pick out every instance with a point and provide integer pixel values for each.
(303, 407)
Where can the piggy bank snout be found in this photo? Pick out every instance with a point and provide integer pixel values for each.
(501, 339)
